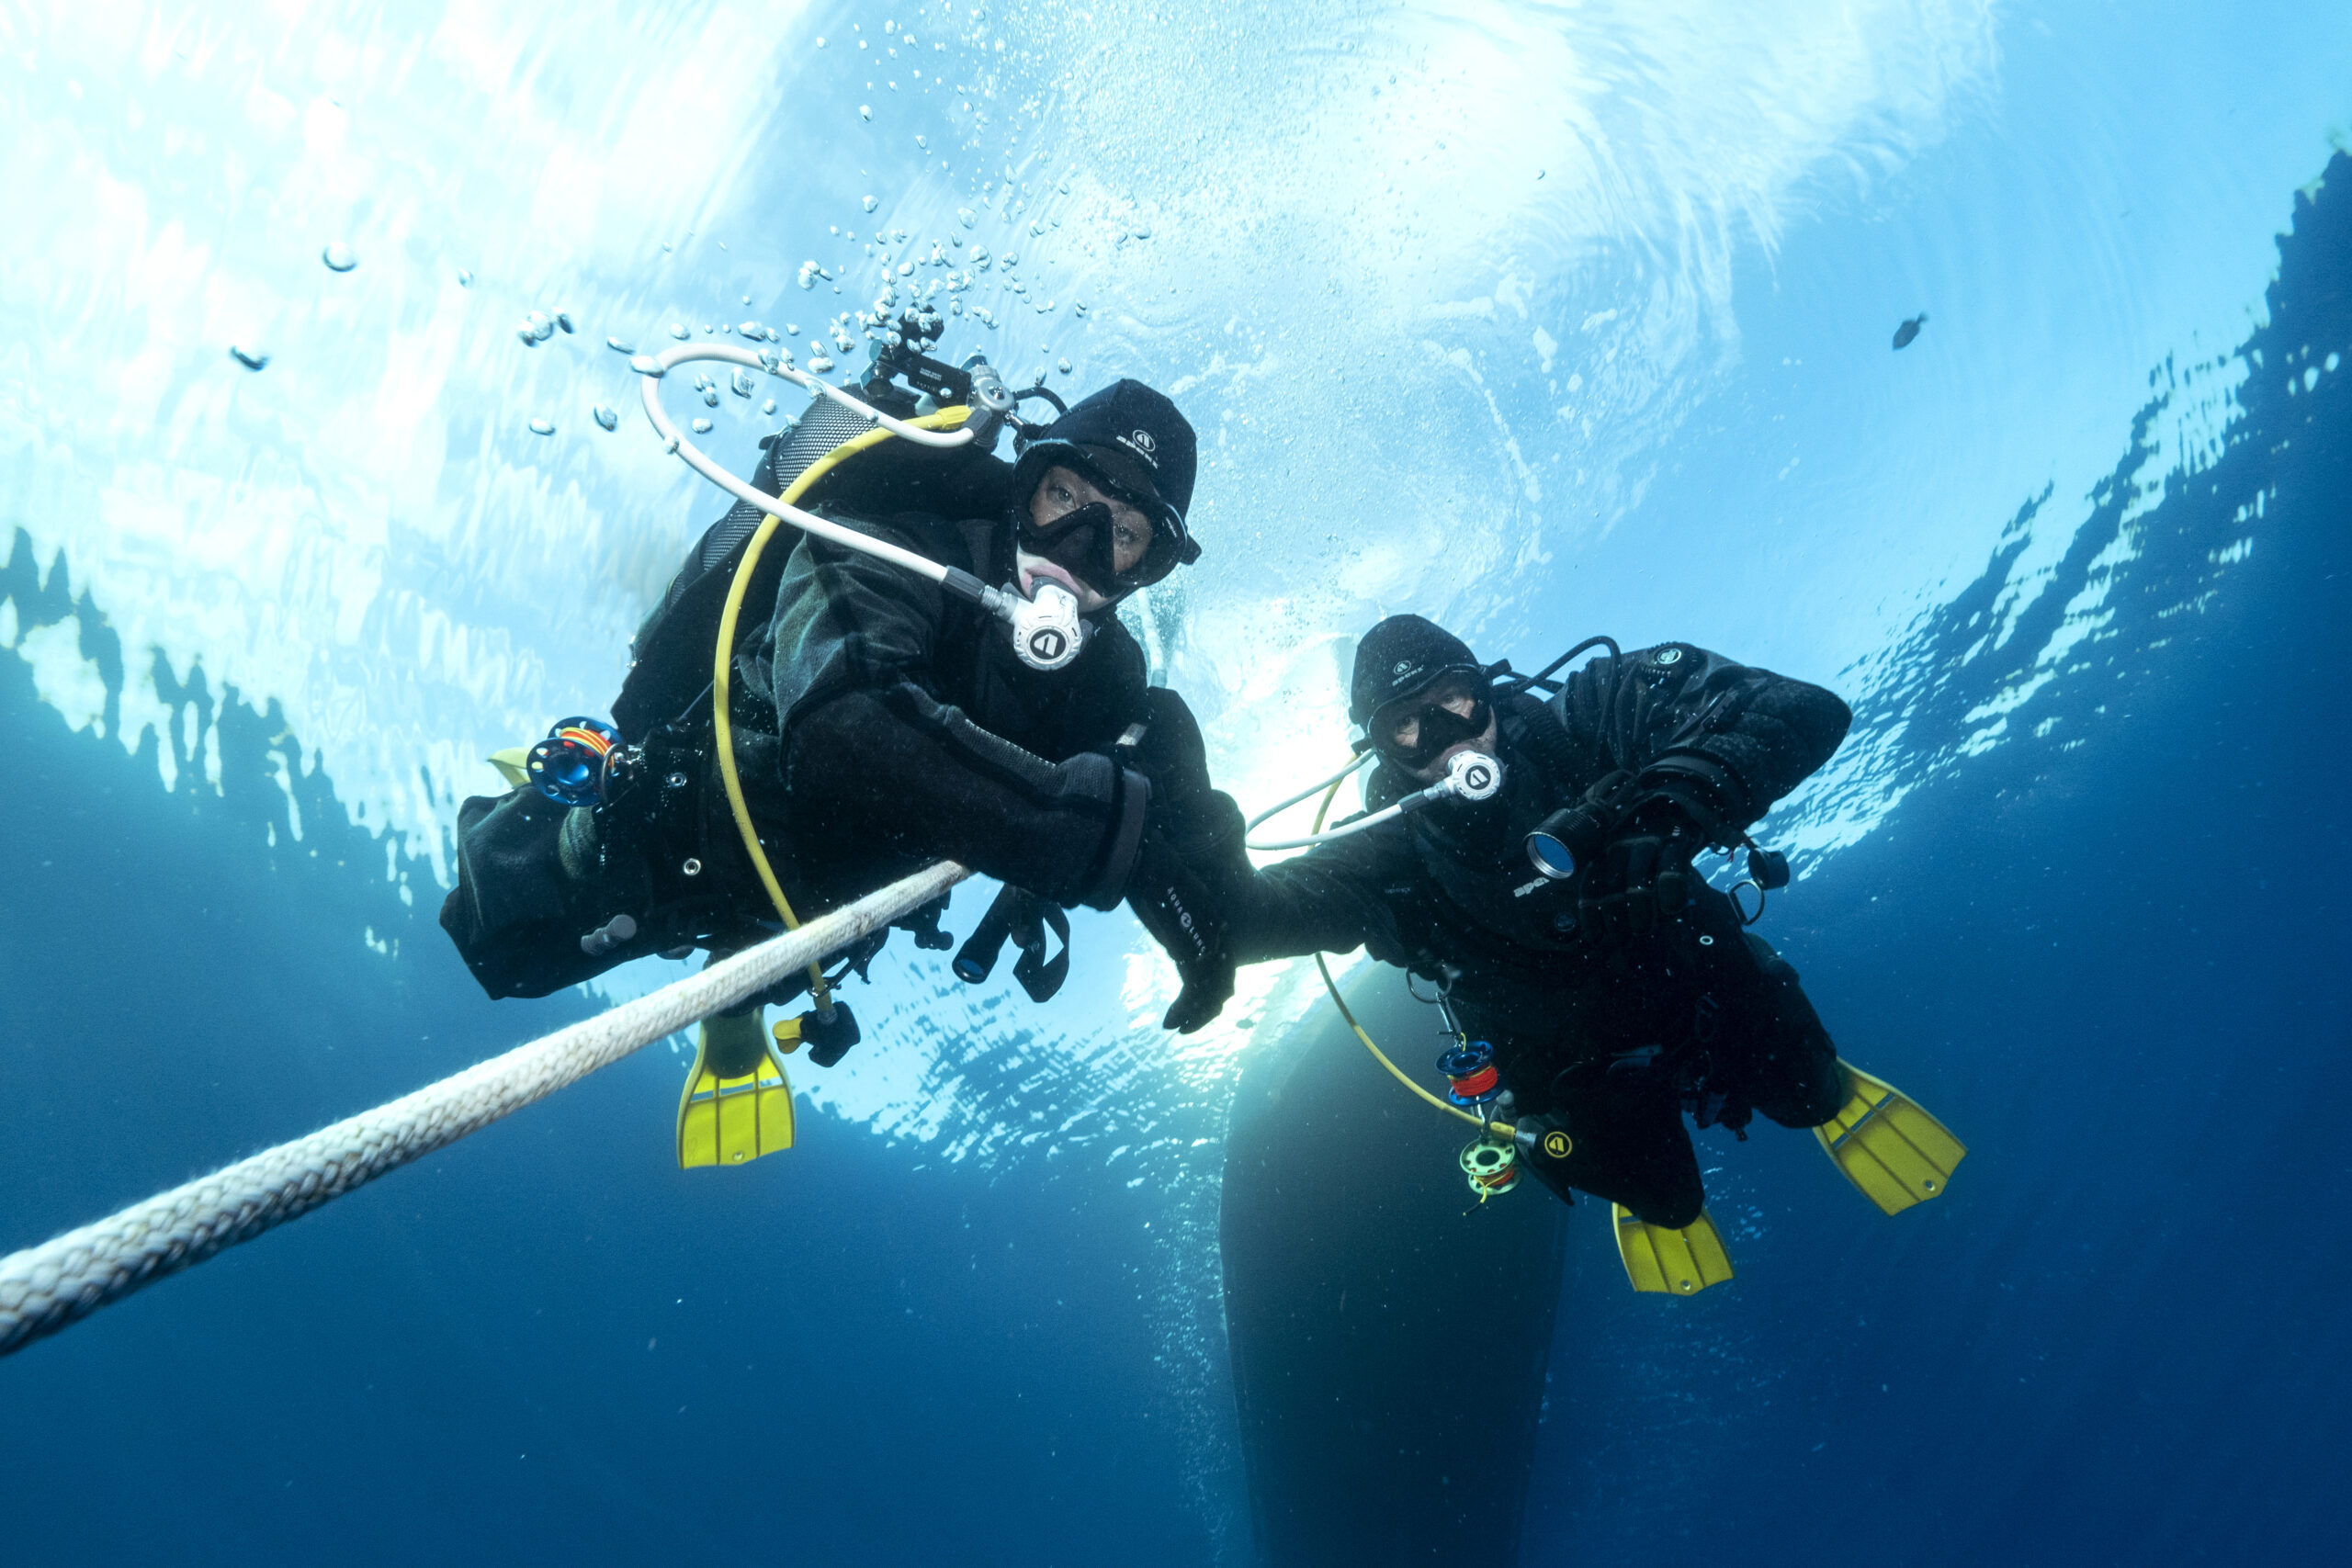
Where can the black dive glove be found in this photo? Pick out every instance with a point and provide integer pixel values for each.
(1641, 879)
(1184, 915)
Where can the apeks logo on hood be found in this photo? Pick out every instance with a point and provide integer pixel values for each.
(1397, 657)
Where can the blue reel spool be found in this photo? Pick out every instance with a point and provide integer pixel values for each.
(567, 767)
(1470, 1075)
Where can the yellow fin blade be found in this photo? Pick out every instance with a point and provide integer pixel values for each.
(724, 1121)
(510, 765)
(1670, 1262)
(1888, 1146)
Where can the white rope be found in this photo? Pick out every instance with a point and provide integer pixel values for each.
(44, 1287)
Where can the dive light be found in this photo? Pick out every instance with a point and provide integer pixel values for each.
(1567, 840)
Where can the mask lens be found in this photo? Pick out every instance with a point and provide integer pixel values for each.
(1437, 727)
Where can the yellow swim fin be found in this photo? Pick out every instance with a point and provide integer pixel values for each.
(510, 765)
(1673, 1263)
(1897, 1153)
(737, 1103)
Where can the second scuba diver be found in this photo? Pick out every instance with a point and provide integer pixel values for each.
(1556, 911)
(878, 725)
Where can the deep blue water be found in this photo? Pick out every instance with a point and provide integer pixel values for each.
(2108, 948)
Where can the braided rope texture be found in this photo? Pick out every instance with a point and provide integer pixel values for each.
(44, 1287)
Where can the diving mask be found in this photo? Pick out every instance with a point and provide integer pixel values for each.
(1438, 727)
(1085, 543)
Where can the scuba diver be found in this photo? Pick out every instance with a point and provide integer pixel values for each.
(1532, 860)
(867, 720)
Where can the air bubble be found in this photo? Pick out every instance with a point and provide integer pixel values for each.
(646, 365)
(563, 320)
(710, 397)
(870, 203)
(678, 331)
(537, 328)
(1063, 365)
(865, 111)
(792, 329)
(607, 416)
(702, 427)
(753, 330)
(742, 382)
(768, 406)
(820, 365)
(339, 257)
(620, 345)
(464, 278)
(543, 427)
(965, 214)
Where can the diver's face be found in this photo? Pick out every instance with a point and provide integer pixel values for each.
(1400, 730)
(1062, 491)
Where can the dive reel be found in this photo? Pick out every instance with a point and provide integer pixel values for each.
(576, 764)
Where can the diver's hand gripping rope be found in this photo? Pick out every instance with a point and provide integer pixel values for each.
(1047, 630)
(1470, 775)
(44, 1287)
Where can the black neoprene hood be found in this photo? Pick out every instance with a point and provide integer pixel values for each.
(1400, 656)
(1131, 437)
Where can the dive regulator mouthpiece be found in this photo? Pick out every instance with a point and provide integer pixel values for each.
(1473, 776)
(1047, 632)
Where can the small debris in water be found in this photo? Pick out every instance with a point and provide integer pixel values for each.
(620, 345)
(464, 278)
(1909, 330)
(607, 416)
(543, 427)
(563, 320)
(251, 358)
(339, 257)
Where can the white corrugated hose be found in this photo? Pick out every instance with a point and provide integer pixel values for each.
(44, 1287)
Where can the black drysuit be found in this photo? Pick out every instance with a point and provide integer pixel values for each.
(1607, 1044)
(878, 725)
